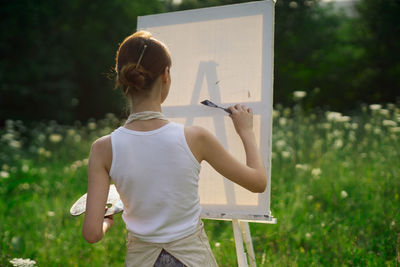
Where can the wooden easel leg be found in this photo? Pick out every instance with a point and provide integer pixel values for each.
(244, 226)
(241, 256)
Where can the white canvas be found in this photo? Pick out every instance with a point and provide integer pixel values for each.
(224, 54)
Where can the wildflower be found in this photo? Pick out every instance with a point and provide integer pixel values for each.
(92, 125)
(395, 130)
(322, 224)
(316, 172)
(298, 95)
(71, 132)
(367, 126)
(293, 4)
(49, 236)
(384, 112)
(338, 143)
(343, 194)
(326, 126)
(51, 213)
(282, 121)
(5, 167)
(310, 3)
(389, 123)
(285, 154)
(275, 113)
(19, 262)
(344, 119)
(303, 167)
(4, 174)
(375, 106)
(14, 144)
(310, 197)
(25, 168)
(280, 144)
(8, 137)
(55, 138)
(217, 244)
(308, 235)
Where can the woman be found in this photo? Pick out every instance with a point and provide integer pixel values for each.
(155, 165)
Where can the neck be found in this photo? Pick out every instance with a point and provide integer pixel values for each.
(145, 106)
(150, 102)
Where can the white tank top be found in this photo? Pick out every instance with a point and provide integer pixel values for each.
(156, 176)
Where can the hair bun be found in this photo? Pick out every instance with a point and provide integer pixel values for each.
(133, 78)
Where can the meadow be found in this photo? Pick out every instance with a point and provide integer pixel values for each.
(335, 192)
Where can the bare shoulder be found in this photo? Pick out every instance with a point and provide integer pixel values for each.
(102, 143)
(101, 151)
(195, 131)
(196, 137)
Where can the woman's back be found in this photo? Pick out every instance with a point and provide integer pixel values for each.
(156, 175)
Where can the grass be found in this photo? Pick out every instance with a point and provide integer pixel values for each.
(335, 192)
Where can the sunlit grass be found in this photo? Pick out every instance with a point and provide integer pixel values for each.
(335, 192)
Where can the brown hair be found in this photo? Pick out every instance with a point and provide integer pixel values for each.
(152, 56)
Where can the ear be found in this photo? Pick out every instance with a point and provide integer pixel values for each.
(165, 75)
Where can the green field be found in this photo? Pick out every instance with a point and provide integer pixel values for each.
(335, 192)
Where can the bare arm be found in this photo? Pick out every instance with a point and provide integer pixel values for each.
(95, 225)
(251, 175)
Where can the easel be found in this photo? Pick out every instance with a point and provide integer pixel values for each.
(241, 232)
(199, 34)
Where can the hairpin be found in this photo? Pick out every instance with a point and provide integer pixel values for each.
(141, 56)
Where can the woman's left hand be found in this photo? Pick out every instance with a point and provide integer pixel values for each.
(107, 223)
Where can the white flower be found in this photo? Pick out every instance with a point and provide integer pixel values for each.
(297, 95)
(275, 113)
(71, 132)
(384, 112)
(389, 123)
(343, 194)
(310, 197)
(316, 172)
(14, 144)
(395, 130)
(285, 154)
(51, 213)
(92, 125)
(303, 167)
(338, 143)
(22, 262)
(308, 235)
(4, 174)
(375, 106)
(55, 138)
(280, 144)
(282, 121)
(25, 168)
(217, 244)
(293, 4)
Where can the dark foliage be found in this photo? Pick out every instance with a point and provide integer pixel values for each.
(56, 57)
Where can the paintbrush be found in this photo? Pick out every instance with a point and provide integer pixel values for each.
(211, 104)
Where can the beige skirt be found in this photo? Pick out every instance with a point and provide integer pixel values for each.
(193, 250)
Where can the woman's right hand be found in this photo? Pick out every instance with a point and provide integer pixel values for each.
(242, 118)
